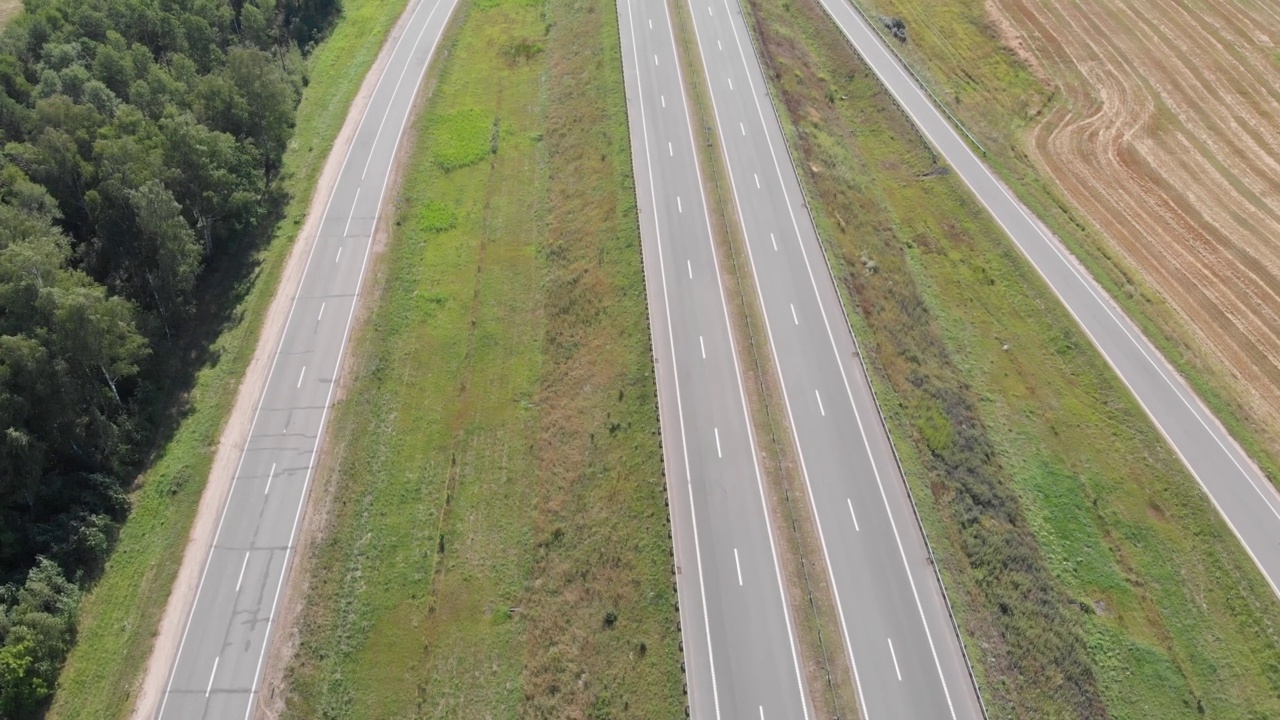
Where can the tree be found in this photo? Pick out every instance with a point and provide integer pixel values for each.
(167, 252)
(36, 636)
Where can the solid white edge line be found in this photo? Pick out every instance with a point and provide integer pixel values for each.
(675, 372)
(1106, 306)
(346, 333)
(786, 611)
(275, 358)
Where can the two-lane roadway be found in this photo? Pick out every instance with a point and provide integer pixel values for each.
(1242, 495)
(897, 629)
(219, 662)
(740, 653)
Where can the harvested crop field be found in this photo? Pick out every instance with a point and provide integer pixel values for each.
(1167, 137)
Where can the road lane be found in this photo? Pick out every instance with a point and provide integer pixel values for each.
(1242, 495)
(219, 663)
(741, 657)
(906, 657)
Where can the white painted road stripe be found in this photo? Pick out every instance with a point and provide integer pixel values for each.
(738, 565)
(242, 567)
(793, 314)
(351, 215)
(703, 346)
(773, 240)
(301, 375)
(209, 689)
(269, 476)
(718, 453)
(895, 659)
(815, 394)
(852, 515)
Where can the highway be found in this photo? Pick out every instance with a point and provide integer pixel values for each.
(906, 657)
(907, 660)
(1242, 495)
(740, 653)
(219, 662)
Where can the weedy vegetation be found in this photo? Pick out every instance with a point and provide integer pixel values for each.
(497, 542)
(1090, 576)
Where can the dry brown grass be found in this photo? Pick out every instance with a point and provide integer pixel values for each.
(8, 10)
(1168, 140)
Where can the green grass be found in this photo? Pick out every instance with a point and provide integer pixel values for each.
(462, 138)
(955, 49)
(1090, 575)
(119, 616)
(497, 544)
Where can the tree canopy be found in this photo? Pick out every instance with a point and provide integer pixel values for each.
(139, 140)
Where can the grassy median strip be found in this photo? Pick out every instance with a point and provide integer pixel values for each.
(1091, 576)
(497, 542)
(118, 618)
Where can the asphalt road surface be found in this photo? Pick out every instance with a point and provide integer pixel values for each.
(219, 661)
(740, 653)
(1245, 499)
(908, 661)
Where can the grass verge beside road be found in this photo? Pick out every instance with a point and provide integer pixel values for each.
(119, 616)
(496, 543)
(1090, 576)
(956, 46)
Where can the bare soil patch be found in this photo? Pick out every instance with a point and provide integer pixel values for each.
(1168, 139)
